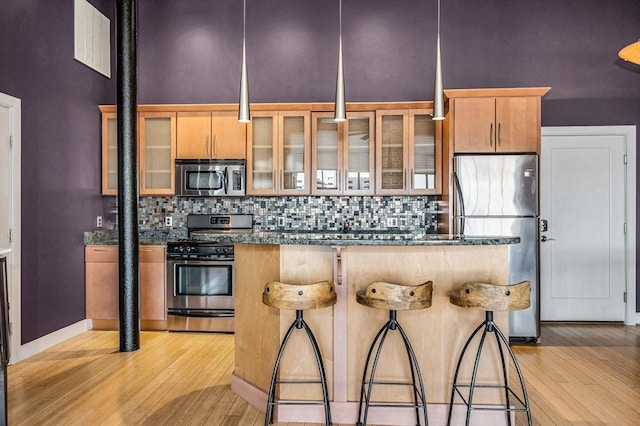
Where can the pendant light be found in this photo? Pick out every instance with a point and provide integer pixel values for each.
(438, 99)
(631, 53)
(340, 107)
(244, 116)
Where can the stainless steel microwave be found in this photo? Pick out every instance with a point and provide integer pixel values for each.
(212, 178)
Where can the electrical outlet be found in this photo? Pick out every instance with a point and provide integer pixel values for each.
(99, 221)
(392, 222)
(280, 221)
(168, 221)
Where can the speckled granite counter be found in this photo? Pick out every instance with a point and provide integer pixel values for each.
(332, 238)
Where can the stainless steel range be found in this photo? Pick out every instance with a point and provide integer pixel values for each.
(201, 276)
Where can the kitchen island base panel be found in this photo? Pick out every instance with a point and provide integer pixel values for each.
(345, 331)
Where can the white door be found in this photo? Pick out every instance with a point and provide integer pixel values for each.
(582, 253)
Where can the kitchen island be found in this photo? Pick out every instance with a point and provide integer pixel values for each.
(353, 260)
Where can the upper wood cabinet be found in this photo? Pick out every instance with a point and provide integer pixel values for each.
(157, 152)
(343, 154)
(211, 135)
(408, 153)
(278, 153)
(495, 120)
(157, 136)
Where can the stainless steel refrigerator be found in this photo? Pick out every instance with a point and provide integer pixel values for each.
(498, 195)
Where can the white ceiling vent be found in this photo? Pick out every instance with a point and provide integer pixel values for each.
(92, 38)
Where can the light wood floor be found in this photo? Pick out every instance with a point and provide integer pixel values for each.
(580, 375)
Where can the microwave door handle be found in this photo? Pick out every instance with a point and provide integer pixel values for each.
(458, 190)
(225, 181)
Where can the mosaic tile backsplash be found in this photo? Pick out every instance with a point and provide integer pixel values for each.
(297, 213)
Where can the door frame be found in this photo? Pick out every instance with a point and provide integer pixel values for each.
(15, 257)
(628, 134)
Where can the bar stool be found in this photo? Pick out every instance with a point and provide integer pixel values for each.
(299, 297)
(489, 298)
(393, 297)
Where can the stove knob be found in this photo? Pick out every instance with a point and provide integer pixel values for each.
(189, 249)
(228, 250)
(180, 249)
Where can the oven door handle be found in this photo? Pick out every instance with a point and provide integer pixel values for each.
(202, 313)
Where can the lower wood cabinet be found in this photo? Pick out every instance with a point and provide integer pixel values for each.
(101, 282)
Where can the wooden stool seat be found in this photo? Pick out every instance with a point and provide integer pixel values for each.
(396, 297)
(299, 296)
(492, 297)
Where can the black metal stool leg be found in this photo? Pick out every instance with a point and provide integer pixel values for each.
(374, 367)
(268, 418)
(298, 323)
(505, 377)
(454, 387)
(413, 363)
(472, 385)
(323, 379)
(366, 367)
(501, 340)
(378, 342)
(520, 376)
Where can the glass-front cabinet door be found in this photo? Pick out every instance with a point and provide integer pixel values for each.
(157, 136)
(343, 154)
(327, 154)
(408, 153)
(109, 153)
(278, 160)
(261, 153)
(359, 154)
(424, 153)
(392, 133)
(295, 149)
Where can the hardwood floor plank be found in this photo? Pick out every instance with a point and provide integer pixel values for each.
(579, 375)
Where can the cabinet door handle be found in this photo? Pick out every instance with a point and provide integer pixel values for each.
(215, 146)
(491, 135)
(412, 178)
(146, 250)
(404, 178)
(281, 183)
(104, 250)
(206, 146)
(499, 134)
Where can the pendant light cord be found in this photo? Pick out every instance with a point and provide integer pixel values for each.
(438, 17)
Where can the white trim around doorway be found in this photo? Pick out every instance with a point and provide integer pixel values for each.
(14, 265)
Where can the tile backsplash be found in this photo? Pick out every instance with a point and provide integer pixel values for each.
(297, 213)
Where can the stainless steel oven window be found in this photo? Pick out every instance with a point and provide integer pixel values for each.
(203, 280)
(204, 180)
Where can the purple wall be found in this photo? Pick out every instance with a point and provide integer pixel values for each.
(60, 155)
(189, 52)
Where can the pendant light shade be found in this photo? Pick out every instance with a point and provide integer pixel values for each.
(438, 98)
(244, 115)
(631, 53)
(340, 107)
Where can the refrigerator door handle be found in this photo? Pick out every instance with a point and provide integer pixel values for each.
(458, 190)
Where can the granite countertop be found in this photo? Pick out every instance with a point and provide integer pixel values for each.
(371, 238)
(368, 237)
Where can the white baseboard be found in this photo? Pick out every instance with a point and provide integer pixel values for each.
(36, 346)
